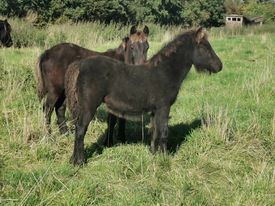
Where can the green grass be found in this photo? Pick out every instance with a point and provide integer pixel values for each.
(221, 136)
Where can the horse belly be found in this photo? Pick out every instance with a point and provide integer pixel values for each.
(124, 108)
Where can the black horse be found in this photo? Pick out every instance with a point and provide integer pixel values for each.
(54, 62)
(5, 36)
(130, 90)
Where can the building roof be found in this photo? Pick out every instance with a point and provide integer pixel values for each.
(234, 15)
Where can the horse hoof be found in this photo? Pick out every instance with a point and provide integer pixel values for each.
(76, 160)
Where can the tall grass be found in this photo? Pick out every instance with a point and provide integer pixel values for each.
(94, 34)
(221, 130)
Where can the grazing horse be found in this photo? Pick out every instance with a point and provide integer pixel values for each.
(5, 30)
(130, 90)
(53, 64)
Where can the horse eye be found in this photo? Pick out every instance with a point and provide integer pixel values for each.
(203, 47)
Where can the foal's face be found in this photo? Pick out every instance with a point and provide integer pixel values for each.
(137, 46)
(204, 57)
(5, 30)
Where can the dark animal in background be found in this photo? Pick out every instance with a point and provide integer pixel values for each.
(136, 53)
(130, 90)
(137, 46)
(5, 36)
(53, 64)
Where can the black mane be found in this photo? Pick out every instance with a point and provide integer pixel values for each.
(170, 48)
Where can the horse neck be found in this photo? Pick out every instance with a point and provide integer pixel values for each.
(175, 59)
(115, 53)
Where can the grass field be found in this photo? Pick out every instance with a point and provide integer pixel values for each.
(221, 136)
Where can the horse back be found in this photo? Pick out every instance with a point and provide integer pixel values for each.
(121, 85)
(65, 53)
(54, 63)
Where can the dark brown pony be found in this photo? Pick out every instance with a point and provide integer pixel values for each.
(130, 90)
(5, 30)
(53, 64)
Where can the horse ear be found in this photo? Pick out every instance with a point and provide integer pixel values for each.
(146, 30)
(201, 33)
(133, 30)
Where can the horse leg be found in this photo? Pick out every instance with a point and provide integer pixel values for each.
(80, 131)
(60, 108)
(48, 107)
(88, 104)
(160, 134)
(154, 139)
(110, 130)
(151, 129)
(121, 129)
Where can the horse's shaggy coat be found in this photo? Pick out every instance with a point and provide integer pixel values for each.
(129, 90)
(70, 88)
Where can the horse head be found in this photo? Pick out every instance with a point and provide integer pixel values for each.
(204, 57)
(136, 46)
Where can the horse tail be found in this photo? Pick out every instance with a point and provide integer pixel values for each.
(41, 90)
(71, 90)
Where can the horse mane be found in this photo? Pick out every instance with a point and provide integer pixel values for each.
(171, 47)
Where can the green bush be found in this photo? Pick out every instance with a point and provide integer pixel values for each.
(164, 12)
(168, 12)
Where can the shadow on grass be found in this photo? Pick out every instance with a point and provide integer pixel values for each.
(96, 147)
(177, 135)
